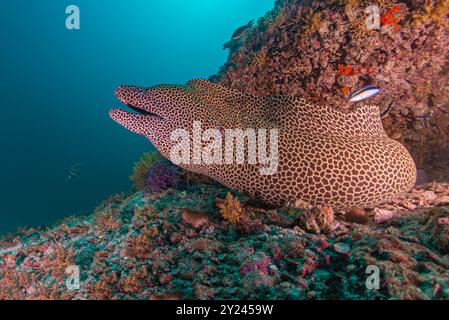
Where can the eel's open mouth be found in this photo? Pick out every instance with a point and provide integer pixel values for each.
(142, 111)
(132, 97)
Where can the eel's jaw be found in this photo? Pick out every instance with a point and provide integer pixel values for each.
(144, 120)
(132, 122)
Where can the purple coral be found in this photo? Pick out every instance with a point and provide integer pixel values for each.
(162, 175)
(258, 263)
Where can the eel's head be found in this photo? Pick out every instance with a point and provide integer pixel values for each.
(155, 113)
(161, 111)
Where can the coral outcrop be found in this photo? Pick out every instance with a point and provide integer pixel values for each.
(323, 50)
(177, 244)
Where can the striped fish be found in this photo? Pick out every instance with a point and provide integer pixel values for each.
(386, 112)
(74, 172)
(241, 31)
(364, 93)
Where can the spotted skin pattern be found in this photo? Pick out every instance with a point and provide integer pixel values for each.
(326, 156)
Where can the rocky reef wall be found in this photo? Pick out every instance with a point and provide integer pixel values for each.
(323, 50)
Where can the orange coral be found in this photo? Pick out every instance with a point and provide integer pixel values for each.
(345, 91)
(390, 18)
(358, 70)
(344, 70)
(130, 285)
(107, 220)
(103, 289)
(231, 209)
(133, 282)
(140, 246)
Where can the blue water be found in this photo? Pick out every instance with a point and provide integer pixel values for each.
(57, 85)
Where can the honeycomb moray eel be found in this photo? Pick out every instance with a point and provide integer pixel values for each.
(325, 156)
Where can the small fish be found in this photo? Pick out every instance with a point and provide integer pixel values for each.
(241, 31)
(385, 113)
(364, 93)
(74, 172)
(342, 248)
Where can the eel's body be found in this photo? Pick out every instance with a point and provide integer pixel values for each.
(325, 156)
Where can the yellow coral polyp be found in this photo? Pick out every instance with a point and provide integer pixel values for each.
(231, 209)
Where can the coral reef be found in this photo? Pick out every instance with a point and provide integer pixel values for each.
(407, 58)
(177, 245)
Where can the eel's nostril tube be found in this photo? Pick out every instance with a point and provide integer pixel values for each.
(119, 91)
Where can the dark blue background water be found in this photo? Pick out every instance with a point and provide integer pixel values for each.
(56, 87)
